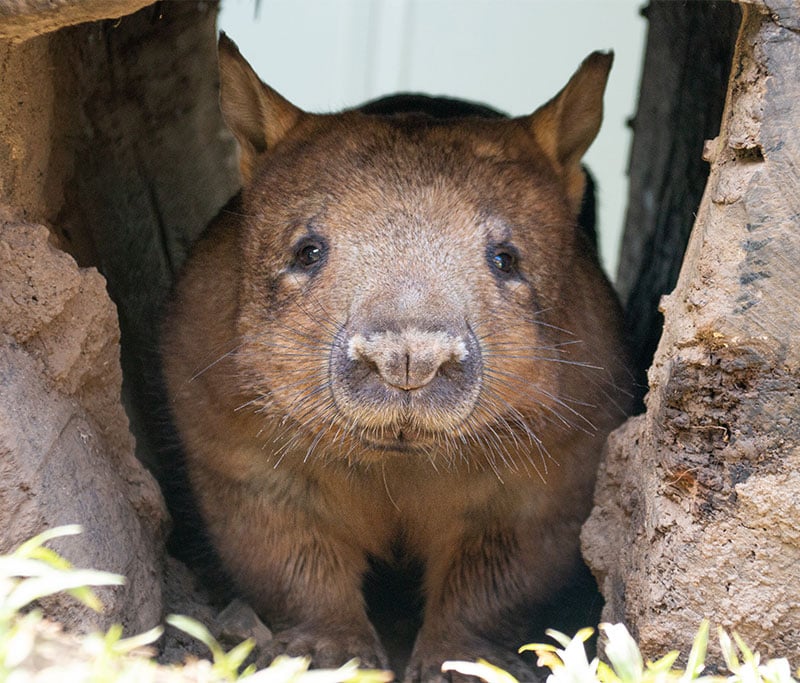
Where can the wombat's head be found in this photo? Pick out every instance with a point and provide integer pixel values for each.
(414, 285)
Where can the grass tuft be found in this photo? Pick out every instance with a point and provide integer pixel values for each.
(33, 650)
(569, 663)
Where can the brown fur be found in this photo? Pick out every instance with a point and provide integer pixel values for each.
(402, 391)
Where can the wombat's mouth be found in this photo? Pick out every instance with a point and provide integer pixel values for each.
(399, 444)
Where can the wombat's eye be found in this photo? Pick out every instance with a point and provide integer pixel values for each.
(503, 258)
(308, 253)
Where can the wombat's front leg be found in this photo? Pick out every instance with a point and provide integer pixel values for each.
(480, 596)
(300, 572)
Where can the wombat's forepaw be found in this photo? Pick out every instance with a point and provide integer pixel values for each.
(328, 650)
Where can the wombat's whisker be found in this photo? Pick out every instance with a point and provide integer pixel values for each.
(502, 451)
(313, 403)
(333, 326)
(291, 335)
(564, 402)
(292, 444)
(315, 442)
(546, 359)
(495, 415)
(487, 338)
(286, 351)
(519, 421)
(498, 415)
(264, 397)
(551, 326)
(516, 351)
(311, 335)
(214, 362)
(310, 418)
(571, 406)
(560, 401)
(258, 399)
(489, 342)
(505, 381)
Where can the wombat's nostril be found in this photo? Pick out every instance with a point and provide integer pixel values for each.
(410, 359)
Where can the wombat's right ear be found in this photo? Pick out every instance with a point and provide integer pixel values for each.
(566, 125)
(257, 115)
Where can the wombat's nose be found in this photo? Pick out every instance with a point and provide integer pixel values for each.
(409, 359)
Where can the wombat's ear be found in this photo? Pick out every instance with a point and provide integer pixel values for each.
(568, 124)
(257, 115)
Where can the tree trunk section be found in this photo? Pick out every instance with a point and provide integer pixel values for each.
(696, 512)
(113, 158)
(684, 80)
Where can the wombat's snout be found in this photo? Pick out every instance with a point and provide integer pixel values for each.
(405, 377)
(409, 359)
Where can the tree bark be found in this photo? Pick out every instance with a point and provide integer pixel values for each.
(696, 506)
(110, 139)
(684, 80)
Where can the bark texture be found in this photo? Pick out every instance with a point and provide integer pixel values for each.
(113, 157)
(23, 19)
(696, 509)
(66, 455)
(684, 81)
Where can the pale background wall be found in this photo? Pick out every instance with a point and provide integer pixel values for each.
(512, 54)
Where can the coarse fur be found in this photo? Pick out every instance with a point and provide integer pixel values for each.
(397, 339)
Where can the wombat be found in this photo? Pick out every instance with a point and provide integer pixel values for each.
(396, 345)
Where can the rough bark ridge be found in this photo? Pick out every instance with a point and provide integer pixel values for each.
(112, 154)
(684, 81)
(66, 455)
(696, 509)
(23, 19)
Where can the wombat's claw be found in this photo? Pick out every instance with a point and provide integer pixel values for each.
(325, 651)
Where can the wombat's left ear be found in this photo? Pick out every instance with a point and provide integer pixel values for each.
(566, 126)
(256, 115)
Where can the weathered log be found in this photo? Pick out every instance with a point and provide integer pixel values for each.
(66, 455)
(23, 19)
(684, 80)
(696, 506)
(110, 140)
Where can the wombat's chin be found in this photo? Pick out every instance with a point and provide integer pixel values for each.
(408, 439)
(397, 446)
(358, 443)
